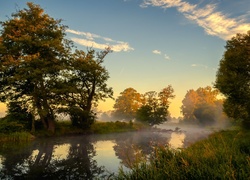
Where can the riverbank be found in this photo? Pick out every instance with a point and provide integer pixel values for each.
(223, 155)
(64, 128)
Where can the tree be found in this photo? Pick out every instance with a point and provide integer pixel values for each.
(32, 54)
(155, 108)
(189, 104)
(16, 113)
(127, 104)
(83, 85)
(233, 78)
(202, 106)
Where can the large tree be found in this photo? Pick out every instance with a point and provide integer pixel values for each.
(32, 54)
(155, 106)
(127, 104)
(39, 71)
(233, 78)
(83, 85)
(202, 106)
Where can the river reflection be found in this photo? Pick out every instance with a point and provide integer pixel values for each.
(80, 157)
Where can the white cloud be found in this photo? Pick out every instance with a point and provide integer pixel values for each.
(199, 65)
(166, 57)
(156, 52)
(96, 41)
(214, 22)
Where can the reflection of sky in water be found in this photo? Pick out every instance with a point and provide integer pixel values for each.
(60, 152)
(110, 151)
(1, 161)
(176, 140)
(105, 155)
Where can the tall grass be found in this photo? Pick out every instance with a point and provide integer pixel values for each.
(112, 127)
(224, 155)
(16, 137)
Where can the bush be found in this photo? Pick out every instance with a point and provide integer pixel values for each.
(16, 137)
(10, 127)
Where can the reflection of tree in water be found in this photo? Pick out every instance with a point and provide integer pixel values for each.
(79, 163)
(134, 148)
(14, 156)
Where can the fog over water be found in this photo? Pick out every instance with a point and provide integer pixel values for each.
(89, 156)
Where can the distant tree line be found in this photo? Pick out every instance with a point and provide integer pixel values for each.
(42, 76)
(203, 106)
(150, 108)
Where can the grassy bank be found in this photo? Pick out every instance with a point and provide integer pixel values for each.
(224, 155)
(16, 137)
(64, 128)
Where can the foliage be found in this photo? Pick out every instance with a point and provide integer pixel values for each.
(19, 115)
(202, 106)
(224, 155)
(16, 137)
(83, 85)
(32, 52)
(111, 127)
(127, 104)
(150, 108)
(155, 108)
(233, 78)
(8, 127)
(39, 71)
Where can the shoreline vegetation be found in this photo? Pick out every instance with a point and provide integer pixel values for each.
(223, 155)
(64, 128)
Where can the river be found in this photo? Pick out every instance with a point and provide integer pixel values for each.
(89, 156)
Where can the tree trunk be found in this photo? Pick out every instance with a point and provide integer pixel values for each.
(51, 125)
(33, 129)
(48, 112)
(40, 112)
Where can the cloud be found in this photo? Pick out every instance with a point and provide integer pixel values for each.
(96, 41)
(156, 52)
(199, 65)
(166, 57)
(213, 22)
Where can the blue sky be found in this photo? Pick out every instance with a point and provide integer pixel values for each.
(156, 43)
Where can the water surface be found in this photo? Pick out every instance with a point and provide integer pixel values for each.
(86, 156)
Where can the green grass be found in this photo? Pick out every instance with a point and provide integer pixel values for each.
(16, 137)
(65, 128)
(224, 155)
(112, 127)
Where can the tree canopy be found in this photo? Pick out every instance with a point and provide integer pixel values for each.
(233, 78)
(155, 107)
(150, 108)
(127, 104)
(39, 71)
(202, 106)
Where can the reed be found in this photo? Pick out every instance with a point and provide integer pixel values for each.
(224, 155)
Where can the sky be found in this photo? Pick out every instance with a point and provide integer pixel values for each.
(155, 43)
